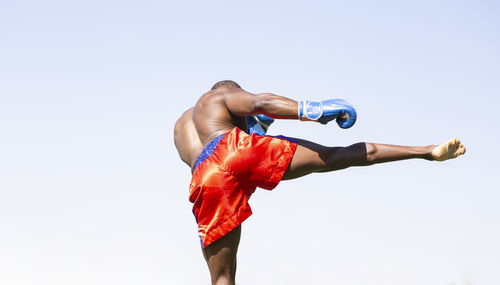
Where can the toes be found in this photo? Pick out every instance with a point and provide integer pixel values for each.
(462, 148)
(460, 151)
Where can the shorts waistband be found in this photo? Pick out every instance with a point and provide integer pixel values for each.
(208, 150)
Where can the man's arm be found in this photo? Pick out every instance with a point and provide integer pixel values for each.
(242, 103)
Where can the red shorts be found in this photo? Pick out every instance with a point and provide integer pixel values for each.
(227, 172)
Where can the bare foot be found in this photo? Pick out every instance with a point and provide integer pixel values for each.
(448, 150)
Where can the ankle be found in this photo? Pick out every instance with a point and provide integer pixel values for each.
(428, 153)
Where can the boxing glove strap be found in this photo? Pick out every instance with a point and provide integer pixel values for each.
(310, 111)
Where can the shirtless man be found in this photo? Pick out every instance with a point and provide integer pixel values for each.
(228, 164)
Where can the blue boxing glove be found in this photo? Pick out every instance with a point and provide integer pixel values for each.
(258, 124)
(328, 110)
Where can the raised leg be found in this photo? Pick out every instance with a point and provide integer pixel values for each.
(311, 157)
(221, 258)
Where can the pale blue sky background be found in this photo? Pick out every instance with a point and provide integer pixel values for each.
(92, 190)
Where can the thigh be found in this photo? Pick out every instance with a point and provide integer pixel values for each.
(221, 255)
(308, 158)
(311, 157)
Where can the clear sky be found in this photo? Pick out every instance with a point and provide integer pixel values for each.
(92, 190)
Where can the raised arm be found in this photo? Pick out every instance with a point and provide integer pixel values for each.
(242, 103)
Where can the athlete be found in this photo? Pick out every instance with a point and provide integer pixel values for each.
(222, 139)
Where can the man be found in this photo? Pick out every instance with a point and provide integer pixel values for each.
(228, 164)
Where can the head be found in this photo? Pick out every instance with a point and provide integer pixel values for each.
(225, 83)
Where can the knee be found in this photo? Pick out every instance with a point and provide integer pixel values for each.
(360, 154)
(371, 152)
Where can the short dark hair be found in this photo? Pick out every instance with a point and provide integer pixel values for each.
(227, 83)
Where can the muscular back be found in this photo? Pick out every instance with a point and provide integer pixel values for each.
(212, 117)
(219, 111)
(209, 118)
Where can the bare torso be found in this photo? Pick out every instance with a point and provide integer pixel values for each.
(199, 125)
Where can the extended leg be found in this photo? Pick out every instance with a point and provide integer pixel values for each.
(221, 257)
(310, 157)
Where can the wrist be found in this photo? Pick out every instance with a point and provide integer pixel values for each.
(309, 110)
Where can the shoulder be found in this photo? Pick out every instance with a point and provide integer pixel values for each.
(211, 99)
(224, 91)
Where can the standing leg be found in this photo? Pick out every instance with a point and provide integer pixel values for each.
(311, 157)
(221, 258)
